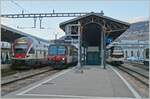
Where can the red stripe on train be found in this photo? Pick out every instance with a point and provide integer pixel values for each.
(20, 55)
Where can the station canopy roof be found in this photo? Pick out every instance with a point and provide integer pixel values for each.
(9, 34)
(113, 28)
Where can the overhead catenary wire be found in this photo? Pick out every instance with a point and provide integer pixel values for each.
(23, 10)
(18, 5)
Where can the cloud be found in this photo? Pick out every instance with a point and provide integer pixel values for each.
(138, 19)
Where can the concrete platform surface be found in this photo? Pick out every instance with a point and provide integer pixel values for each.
(71, 83)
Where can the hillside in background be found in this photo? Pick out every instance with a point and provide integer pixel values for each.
(137, 31)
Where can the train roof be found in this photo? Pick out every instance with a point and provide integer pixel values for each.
(32, 39)
(65, 44)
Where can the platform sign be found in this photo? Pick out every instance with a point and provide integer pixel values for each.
(108, 40)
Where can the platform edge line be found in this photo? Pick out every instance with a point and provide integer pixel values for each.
(72, 96)
(51, 78)
(135, 93)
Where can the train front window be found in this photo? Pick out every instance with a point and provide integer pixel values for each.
(53, 50)
(117, 48)
(23, 46)
(61, 50)
(19, 50)
(57, 50)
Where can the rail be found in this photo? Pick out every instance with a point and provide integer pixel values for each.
(8, 81)
(137, 75)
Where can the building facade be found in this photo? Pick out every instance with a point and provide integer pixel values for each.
(134, 49)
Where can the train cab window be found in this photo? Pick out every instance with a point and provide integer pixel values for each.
(61, 50)
(53, 50)
(117, 48)
(57, 50)
(23, 46)
(31, 51)
(19, 50)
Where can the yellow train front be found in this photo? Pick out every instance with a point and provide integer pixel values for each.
(61, 56)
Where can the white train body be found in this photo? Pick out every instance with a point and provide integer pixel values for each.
(115, 55)
(29, 52)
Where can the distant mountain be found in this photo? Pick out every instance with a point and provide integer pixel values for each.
(136, 31)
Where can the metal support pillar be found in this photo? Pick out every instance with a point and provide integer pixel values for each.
(40, 22)
(104, 51)
(102, 60)
(103, 48)
(84, 55)
(34, 23)
(79, 63)
(79, 47)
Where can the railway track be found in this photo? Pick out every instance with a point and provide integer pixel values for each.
(137, 75)
(142, 66)
(19, 82)
(27, 75)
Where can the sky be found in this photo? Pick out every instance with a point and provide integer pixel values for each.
(125, 10)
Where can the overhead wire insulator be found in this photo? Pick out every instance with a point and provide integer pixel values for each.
(34, 22)
(40, 18)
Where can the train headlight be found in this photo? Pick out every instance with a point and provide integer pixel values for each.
(63, 58)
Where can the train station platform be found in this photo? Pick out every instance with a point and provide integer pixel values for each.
(5, 66)
(93, 82)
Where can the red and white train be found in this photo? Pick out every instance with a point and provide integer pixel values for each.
(61, 56)
(29, 53)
